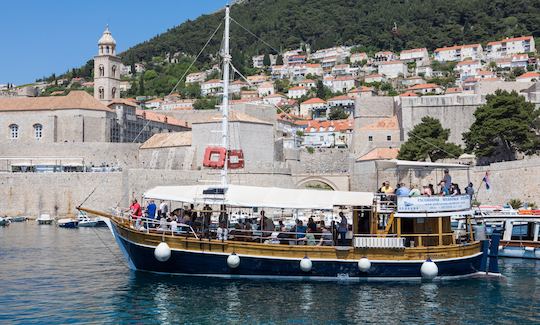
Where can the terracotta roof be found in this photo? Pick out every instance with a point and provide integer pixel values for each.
(211, 81)
(297, 88)
(344, 78)
(275, 96)
(338, 125)
(408, 94)
(423, 86)
(123, 102)
(468, 62)
(455, 47)
(524, 56)
(453, 90)
(375, 75)
(531, 74)
(414, 50)
(384, 53)
(342, 97)
(306, 81)
(315, 100)
(484, 73)
(167, 140)
(155, 100)
(76, 99)
(380, 153)
(389, 123)
(156, 117)
(513, 39)
(391, 62)
(233, 117)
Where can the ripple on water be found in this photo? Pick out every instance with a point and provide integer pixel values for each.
(52, 275)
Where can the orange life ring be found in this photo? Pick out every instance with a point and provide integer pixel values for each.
(235, 159)
(214, 157)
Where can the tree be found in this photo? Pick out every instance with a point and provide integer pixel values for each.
(266, 60)
(141, 85)
(429, 140)
(505, 124)
(279, 60)
(205, 103)
(337, 113)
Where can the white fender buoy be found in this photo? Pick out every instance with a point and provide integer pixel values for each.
(429, 269)
(233, 261)
(162, 252)
(364, 264)
(306, 264)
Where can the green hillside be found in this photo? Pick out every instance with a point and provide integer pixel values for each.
(322, 23)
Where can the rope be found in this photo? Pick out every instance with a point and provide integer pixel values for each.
(257, 37)
(121, 260)
(197, 57)
(431, 144)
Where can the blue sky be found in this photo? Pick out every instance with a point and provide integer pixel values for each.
(40, 37)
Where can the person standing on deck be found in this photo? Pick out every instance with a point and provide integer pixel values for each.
(469, 190)
(163, 209)
(151, 211)
(135, 212)
(207, 218)
(447, 179)
(343, 227)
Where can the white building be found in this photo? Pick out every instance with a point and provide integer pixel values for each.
(393, 69)
(343, 84)
(343, 101)
(265, 89)
(328, 134)
(426, 89)
(258, 60)
(308, 83)
(459, 53)
(309, 105)
(297, 92)
(179, 104)
(468, 68)
(384, 56)
(195, 77)
(509, 46)
(274, 99)
(211, 87)
(414, 55)
(358, 57)
(374, 78)
(519, 60)
(154, 103)
(529, 77)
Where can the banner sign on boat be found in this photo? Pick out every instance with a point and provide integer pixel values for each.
(433, 203)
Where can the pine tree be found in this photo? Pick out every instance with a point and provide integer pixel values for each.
(429, 140)
(505, 124)
(279, 60)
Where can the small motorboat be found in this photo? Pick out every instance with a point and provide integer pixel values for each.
(85, 221)
(44, 219)
(67, 223)
(19, 219)
(4, 222)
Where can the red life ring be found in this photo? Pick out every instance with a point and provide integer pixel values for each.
(235, 159)
(214, 157)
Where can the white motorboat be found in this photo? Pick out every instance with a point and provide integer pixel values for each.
(85, 221)
(67, 223)
(44, 219)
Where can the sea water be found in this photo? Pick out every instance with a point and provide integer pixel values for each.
(50, 275)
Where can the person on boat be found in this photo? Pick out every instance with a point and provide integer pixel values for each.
(326, 238)
(455, 190)
(163, 209)
(387, 189)
(135, 212)
(207, 218)
(222, 232)
(309, 239)
(312, 225)
(469, 190)
(447, 179)
(431, 189)
(414, 191)
(174, 225)
(444, 190)
(151, 210)
(300, 230)
(223, 215)
(343, 227)
(402, 190)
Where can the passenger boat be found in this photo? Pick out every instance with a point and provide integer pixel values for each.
(406, 239)
(67, 223)
(520, 230)
(44, 219)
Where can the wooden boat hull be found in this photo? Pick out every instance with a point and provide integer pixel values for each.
(211, 260)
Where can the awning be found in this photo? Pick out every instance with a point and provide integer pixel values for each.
(407, 164)
(262, 197)
(433, 214)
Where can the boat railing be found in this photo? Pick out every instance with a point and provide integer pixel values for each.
(385, 203)
(375, 241)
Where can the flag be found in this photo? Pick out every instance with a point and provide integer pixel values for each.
(486, 180)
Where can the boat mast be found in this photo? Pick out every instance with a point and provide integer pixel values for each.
(225, 104)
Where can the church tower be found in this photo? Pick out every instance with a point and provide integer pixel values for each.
(106, 69)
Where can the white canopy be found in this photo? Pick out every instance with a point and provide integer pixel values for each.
(262, 197)
(394, 163)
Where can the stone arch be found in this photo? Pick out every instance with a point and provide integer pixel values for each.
(316, 179)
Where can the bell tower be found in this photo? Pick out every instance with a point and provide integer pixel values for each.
(106, 69)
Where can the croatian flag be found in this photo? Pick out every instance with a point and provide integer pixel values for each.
(486, 180)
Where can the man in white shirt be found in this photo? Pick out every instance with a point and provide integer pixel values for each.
(163, 209)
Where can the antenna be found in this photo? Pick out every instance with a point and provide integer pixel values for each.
(225, 104)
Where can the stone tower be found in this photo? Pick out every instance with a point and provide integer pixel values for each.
(106, 69)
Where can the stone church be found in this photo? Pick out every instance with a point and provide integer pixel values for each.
(107, 69)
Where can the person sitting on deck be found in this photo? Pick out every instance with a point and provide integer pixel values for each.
(310, 237)
(343, 227)
(469, 190)
(300, 230)
(444, 190)
(207, 218)
(402, 190)
(222, 232)
(311, 224)
(414, 191)
(163, 210)
(326, 238)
